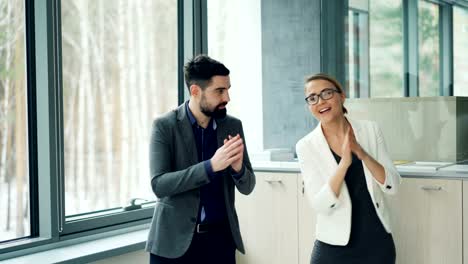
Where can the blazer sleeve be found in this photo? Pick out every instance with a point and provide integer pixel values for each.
(392, 177)
(317, 189)
(245, 183)
(164, 181)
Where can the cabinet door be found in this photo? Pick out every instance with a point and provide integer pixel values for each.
(268, 220)
(427, 221)
(306, 225)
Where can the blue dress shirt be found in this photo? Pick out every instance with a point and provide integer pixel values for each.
(212, 207)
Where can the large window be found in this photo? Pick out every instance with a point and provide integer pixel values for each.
(405, 48)
(80, 83)
(14, 175)
(429, 49)
(119, 73)
(460, 44)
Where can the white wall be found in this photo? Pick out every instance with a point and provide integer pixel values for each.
(234, 38)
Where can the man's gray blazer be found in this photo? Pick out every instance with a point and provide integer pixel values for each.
(176, 178)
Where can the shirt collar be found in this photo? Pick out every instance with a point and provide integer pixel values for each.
(192, 119)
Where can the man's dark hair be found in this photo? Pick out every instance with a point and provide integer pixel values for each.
(201, 68)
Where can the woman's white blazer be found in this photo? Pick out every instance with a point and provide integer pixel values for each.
(318, 165)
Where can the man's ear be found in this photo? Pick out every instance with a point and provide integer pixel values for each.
(195, 90)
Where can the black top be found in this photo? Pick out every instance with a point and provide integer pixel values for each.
(368, 242)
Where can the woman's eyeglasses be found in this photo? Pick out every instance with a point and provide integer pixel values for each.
(325, 94)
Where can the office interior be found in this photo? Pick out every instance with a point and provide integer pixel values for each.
(81, 82)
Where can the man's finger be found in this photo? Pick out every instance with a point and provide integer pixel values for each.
(234, 158)
(233, 143)
(228, 142)
(235, 151)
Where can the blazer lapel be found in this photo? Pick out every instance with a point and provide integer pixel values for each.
(185, 129)
(327, 156)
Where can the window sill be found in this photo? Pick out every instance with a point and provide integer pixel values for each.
(88, 251)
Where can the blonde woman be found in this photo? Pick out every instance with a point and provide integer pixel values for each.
(347, 173)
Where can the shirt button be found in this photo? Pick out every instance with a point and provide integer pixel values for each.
(241, 181)
(377, 204)
(333, 205)
(389, 187)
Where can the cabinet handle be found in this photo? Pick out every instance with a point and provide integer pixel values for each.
(431, 188)
(273, 179)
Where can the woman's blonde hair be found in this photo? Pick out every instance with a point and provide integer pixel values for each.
(326, 77)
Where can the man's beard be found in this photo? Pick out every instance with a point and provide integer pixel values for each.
(217, 113)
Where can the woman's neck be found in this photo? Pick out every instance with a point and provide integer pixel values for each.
(336, 129)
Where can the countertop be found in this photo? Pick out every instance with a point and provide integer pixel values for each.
(440, 170)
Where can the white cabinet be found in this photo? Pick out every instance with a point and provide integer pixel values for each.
(268, 220)
(278, 224)
(306, 225)
(427, 221)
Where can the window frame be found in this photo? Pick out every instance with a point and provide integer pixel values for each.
(411, 47)
(463, 6)
(410, 71)
(446, 49)
(364, 91)
(31, 119)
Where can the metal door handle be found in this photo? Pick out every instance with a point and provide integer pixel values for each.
(272, 178)
(431, 188)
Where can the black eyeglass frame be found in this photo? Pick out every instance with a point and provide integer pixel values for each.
(334, 90)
